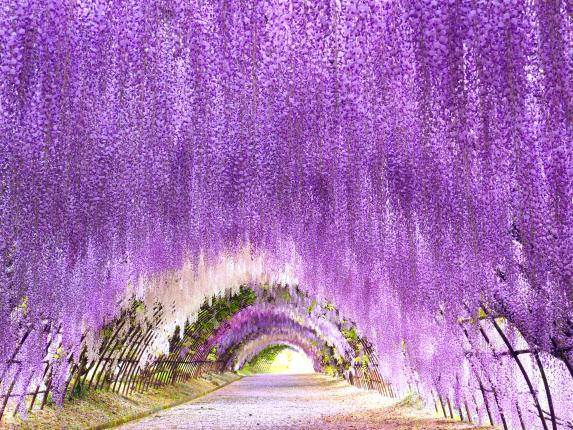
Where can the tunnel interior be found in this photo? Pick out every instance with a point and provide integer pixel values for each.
(386, 185)
(244, 329)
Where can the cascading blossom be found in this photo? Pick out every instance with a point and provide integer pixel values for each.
(408, 160)
(257, 318)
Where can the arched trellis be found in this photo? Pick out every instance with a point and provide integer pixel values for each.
(366, 375)
(252, 319)
(306, 340)
(125, 361)
(180, 364)
(120, 366)
(547, 417)
(494, 335)
(452, 108)
(235, 358)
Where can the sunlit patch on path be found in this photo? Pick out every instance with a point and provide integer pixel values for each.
(309, 401)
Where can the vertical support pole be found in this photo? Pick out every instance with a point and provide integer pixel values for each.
(124, 356)
(137, 367)
(520, 416)
(14, 354)
(106, 347)
(450, 407)
(35, 395)
(442, 404)
(9, 392)
(521, 368)
(486, 403)
(435, 403)
(109, 361)
(24, 394)
(47, 366)
(134, 362)
(469, 415)
(79, 368)
(547, 391)
(48, 388)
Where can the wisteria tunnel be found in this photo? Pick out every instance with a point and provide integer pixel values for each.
(191, 188)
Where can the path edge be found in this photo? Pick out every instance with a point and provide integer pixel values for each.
(140, 415)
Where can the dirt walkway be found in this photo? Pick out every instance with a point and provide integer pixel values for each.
(292, 402)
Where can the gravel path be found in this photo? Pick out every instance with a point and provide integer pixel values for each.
(291, 402)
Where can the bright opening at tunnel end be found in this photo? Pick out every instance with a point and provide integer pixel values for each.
(291, 361)
(282, 360)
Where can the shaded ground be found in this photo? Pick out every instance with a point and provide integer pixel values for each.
(102, 408)
(292, 402)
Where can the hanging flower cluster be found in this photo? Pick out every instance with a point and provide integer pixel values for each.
(411, 159)
(258, 319)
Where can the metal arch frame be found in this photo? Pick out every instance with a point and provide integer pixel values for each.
(366, 378)
(173, 361)
(515, 355)
(125, 349)
(257, 330)
(127, 343)
(271, 316)
(544, 416)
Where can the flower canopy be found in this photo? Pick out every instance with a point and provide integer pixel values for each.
(409, 160)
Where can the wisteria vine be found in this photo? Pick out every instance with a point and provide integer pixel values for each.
(409, 160)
